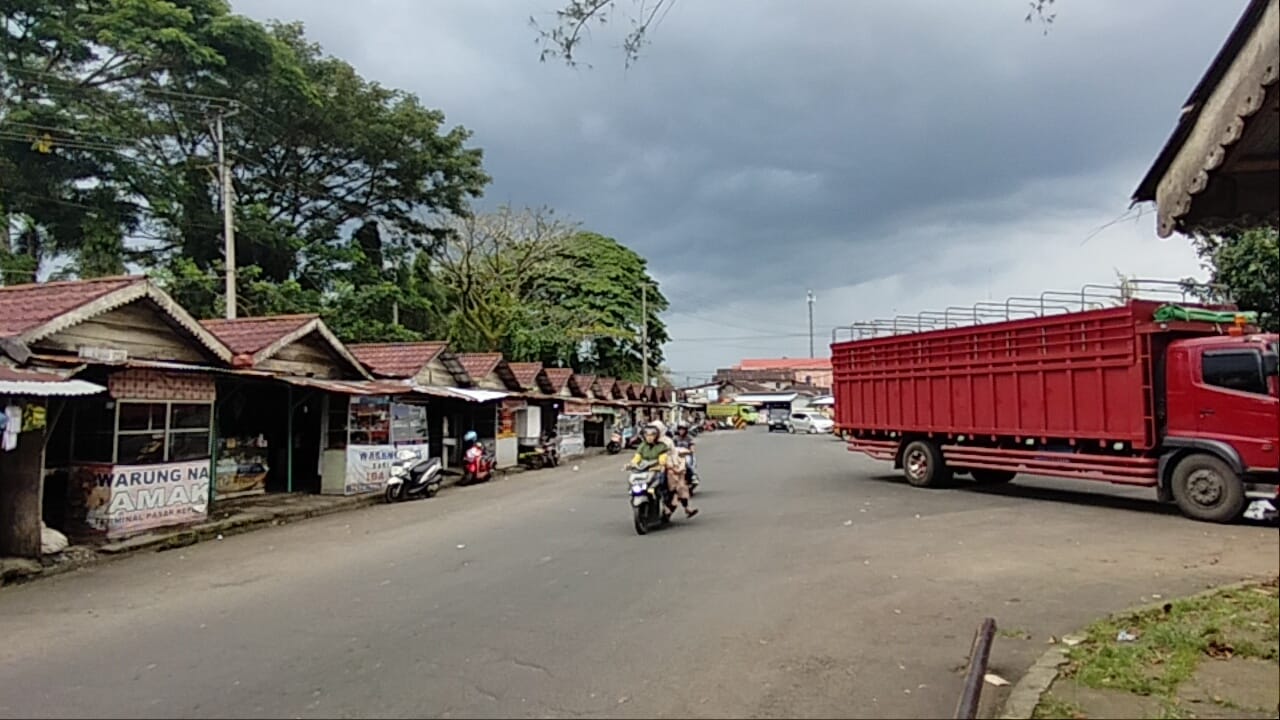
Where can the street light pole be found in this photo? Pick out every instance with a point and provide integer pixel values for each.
(644, 329)
(228, 210)
(810, 298)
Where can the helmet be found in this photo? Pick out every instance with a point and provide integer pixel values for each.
(470, 437)
(682, 428)
(651, 429)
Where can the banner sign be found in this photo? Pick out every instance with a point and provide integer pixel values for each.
(368, 468)
(123, 500)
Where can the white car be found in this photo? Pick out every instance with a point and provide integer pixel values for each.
(811, 422)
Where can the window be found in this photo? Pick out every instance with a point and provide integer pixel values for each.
(149, 433)
(338, 421)
(93, 431)
(189, 425)
(1235, 370)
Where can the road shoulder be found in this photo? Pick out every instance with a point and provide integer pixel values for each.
(1213, 654)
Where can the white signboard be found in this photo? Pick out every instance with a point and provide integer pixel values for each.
(122, 500)
(368, 468)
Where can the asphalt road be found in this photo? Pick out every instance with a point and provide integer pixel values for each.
(813, 584)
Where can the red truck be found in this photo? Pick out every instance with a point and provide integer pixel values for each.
(1182, 398)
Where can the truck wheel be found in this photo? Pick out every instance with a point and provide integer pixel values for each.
(1206, 488)
(923, 465)
(993, 477)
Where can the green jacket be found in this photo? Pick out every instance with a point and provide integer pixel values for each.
(647, 452)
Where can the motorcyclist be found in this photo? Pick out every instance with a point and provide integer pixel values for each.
(656, 446)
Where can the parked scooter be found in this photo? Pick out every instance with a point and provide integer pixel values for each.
(477, 466)
(413, 476)
(648, 496)
(616, 440)
(545, 455)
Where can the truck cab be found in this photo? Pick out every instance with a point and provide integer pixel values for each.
(1222, 396)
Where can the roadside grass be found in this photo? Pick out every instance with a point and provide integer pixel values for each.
(1055, 707)
(1170, 642)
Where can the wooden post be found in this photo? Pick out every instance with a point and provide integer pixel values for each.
(21, 483)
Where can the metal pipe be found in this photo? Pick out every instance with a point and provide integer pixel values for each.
(974, 677)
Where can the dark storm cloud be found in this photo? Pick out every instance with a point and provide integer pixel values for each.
(782, 145)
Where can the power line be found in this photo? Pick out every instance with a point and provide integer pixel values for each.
(74, 84)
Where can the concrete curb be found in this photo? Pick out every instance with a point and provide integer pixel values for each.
(1027, 692)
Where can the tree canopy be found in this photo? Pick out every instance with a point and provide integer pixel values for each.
(351, 199)
(533, 287)
(1248, 264)
(107, 145)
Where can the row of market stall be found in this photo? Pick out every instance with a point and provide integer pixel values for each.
(123, 413)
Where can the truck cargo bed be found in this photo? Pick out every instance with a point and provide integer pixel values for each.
(1081, 377)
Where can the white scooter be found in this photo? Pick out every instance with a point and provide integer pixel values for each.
(413, 476)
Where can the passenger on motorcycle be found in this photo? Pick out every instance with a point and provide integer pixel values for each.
(684, 440)
(656, 446)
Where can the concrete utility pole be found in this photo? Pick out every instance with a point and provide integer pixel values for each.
(228, 210)
(644, 330)
(810, 298)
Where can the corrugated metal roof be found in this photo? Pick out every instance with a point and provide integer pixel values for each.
(15, 381)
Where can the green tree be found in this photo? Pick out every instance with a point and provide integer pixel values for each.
(487, 266)
(68, 71)
(601, 285)
(1248, 264)
(106, 145)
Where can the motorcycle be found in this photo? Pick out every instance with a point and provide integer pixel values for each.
(413, 476)
(477, 467)
(615, 444)
(545, 455)
(648, 496)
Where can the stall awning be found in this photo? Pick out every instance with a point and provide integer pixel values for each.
(480, 396)
(39, 384)
(767, 398)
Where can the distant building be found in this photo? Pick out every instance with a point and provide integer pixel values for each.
(782, 373)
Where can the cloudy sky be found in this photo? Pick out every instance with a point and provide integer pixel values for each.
(891, 156)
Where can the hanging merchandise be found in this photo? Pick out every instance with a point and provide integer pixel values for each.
(13, 423)
(33, 418)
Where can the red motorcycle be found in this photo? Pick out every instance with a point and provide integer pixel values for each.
(477, 466)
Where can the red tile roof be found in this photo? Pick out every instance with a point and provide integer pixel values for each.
(526, 374)
(786, 364)
(27, 307)
(249, 335)
(479, 365)
(397, 360)
(584, 383)
(606, 385)
(557, 377)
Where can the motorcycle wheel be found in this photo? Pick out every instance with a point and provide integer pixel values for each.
(641, 526)
(394, 493)
(432, 490)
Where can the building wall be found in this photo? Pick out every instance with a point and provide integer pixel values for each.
(138, 328)
(143, 384)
